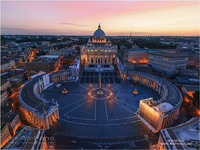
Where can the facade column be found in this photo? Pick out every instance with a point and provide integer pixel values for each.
(90, 59)
(96, 59)
(58, 117)
(50, 120)
(54, 114)
(86, 59)
(45, 122)
(93, 59)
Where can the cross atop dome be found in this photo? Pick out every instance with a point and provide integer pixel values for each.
(99, 27)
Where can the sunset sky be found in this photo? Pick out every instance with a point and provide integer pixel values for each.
(116, 17)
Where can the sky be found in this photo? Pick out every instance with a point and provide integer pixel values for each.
(117, 18)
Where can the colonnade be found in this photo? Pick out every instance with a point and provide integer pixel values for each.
(160, 87)
(170, 118)
(60, 77)
(155, 85)
(98, 59)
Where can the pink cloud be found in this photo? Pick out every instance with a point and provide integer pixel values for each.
(50, 14)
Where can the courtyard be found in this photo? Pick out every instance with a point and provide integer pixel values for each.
(104, 116)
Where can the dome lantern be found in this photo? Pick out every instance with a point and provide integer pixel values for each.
(99, 27)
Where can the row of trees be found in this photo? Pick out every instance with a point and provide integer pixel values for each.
(196, 97)
(152, 43)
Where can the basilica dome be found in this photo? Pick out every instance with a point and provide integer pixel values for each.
(99, 32)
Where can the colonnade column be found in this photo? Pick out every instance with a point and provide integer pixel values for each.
(86, 58)
(45, 123)
(159, 90)
(54, 114)
(57, 112)
(50, 120)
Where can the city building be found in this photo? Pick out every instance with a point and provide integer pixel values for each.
(193, 60)
(75, 69)
(7, 64)
(46, 63)
(27, 137)
(138, 56)
(184, 136)
(191, 73)
(13, 121)
(99, 53)
(4, 97)
(168, 63)
(66, 60)
(63, 52)
(5, 134)
(152, 113)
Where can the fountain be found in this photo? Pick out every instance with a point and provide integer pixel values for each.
(135, 92)
(64, 91)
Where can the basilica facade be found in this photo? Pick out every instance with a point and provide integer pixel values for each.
(99, 53)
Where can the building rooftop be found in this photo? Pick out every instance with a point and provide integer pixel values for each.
(191, 87)
(171, 55)
(10, 117)
(49, 56)
(184, 133)
(141, 50)
(2, 125)
(46, 58)
(26, 137)
(164, 107)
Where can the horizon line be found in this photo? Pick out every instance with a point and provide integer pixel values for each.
(105, 36)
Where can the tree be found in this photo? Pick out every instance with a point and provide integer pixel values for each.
(78, 49)
(196, 97)
(41, 53)
(9, 91)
